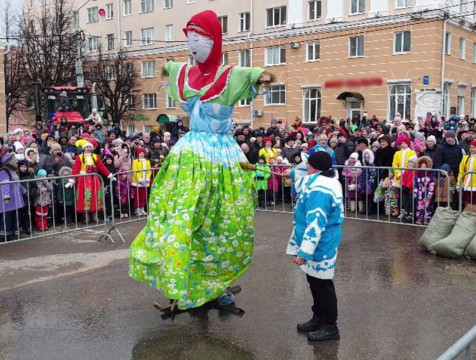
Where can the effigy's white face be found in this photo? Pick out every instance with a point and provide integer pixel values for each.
(200, 46)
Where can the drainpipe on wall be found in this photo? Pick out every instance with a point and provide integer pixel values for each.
(5, 53)
(443, 61)
(251, 57)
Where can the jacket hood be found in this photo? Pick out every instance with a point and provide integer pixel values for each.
(371, 155)
(36, 152)
(425, 159)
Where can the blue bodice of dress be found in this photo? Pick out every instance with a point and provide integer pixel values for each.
(209, 117)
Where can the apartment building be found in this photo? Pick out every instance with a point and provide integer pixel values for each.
(343, 58)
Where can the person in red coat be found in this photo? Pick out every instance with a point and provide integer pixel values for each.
(89, 189)
(407, 190)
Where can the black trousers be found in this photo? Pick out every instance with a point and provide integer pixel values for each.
(325, 299)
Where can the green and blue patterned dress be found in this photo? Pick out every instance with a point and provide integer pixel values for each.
(199, 233)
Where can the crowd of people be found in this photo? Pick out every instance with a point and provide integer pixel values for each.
(368, 155)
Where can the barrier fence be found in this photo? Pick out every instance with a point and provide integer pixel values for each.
(463, 345)
(370, 194)
(466, 190)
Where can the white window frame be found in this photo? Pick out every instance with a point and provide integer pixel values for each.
(244, 102)
(191, 1)
(149, 101)
(462, 48)
(474, 51)
(130, 129)
(169, 102)
(314, 6)
(31, 3)
(402, 4)
(110, 73)
(446, 100)
(169, 32)
(224, 58)
(224, 24)
(168, 4)
(147, 36)
(275, 88)
(131, 101)
(110, 37)
(109, 11)
(93, 43)
(128, 38)
(127, 8)
(245, 22)
(276, 49)
(146, 6)
(282, 21)
(472, 110)
(93, 16)
(448, 43)
(316, 51)
(406, 112)
(401, 42)
(147, 69)
(307, 102)
(359, 39)
(192, 60)
(461, 100)
(358, 7)
(244, 58)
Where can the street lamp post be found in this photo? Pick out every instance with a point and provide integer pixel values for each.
(79, 42)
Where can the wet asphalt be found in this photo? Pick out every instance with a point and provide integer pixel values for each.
(69, 297)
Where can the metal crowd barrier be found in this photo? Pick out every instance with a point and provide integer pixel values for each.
(375, 194)
(467, 195)
(277, 197)
(463, 345)
(49, 208)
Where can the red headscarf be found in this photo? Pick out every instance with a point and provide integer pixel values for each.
(206, 23)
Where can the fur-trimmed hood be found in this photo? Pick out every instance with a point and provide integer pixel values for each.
(425, 159)
(371, 155)
(37, 155)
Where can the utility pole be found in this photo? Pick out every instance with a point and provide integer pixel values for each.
(79, 43)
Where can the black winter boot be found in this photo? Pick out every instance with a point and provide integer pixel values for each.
(325, 332)
(308, 326)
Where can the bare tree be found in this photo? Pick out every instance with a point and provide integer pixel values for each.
(118, 80)
(48, 42)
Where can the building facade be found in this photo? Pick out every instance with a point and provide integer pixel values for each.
(342, 58)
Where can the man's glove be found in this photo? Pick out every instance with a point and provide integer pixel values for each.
(112, 177)
(70, 183)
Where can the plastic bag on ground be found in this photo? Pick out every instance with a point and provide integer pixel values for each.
(463, 232)
(439, 227)
(470, 252)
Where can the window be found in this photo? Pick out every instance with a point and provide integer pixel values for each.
(169, 102)
(130, 129)
(224, 58)
(404, 3)
(30, 3)
(31, 25)
(474, 52)
(76, 19)
(127, 7)
(147, 129)
(109, 11)
(110, 73)
(146, 6)
(461, 97)
(244, 58)
(462, 49)
(45, 2)
(402, 42)
(357, 6)
(245, 21)
(149, 101)
(148, 69)
(168, 4)
(128, 38)
(446, 100)
(473, 103)
(191, 1)
(461, 7)
(93, 15)
(312, 105)
(191, 60)
(400, 100)
(244, 102)
(169, 32)
(356, 47)
(276, 16)
(224, 24)
(448, 43)
(275, 55)
(110, 41)
(315, 9)
(131, 101)
(276, 95)
(93, 43)
(147, 36)
(313, 51)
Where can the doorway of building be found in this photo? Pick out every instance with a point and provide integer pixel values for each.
(354, 109)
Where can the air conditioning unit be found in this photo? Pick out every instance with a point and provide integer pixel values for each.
(294, 45)
(258, 113)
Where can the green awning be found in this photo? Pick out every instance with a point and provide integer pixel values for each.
(165, 118)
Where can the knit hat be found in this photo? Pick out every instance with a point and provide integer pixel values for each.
(87, 144)
(450, 134)
(117, 142)
(22, 162)
(266, 139)
(386, 138)
(354, 156)
(413, 159)
(93, 142)
(431, 138)
(397, 117)
(55, 146)
(140, 151)
(333, 141)
(419, 135)
(65, 171)
(472, 143)
(41, 173)
(44, 136)
(376, 144)
(320, 160)
(18, 146)
(402, 139)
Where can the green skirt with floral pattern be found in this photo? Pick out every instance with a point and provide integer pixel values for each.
(199, 233)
